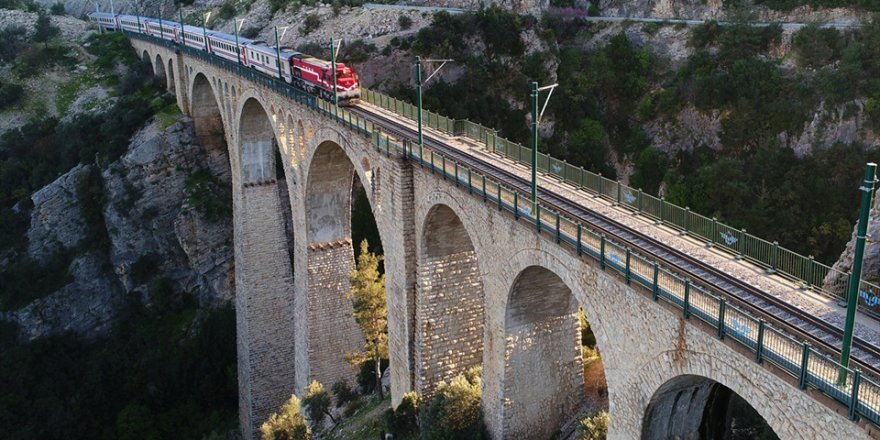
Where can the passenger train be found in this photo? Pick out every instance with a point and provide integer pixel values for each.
(309, 73)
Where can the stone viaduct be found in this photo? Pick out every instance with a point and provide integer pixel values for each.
(466, 285)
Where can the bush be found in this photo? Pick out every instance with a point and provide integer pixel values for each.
(208, 196)
(593, 10)
(595, 427)
(403, 420)
(313, 22)
(287, 424)
(58, 9)
(367, 375)
(10, 94)
(145, 268)
(404, 22)
(250, 32)
(13, 37)
(343, 393)
(815, 47)
(317, 403)
(454, 411)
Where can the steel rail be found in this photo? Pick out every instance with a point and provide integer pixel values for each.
(788, 317)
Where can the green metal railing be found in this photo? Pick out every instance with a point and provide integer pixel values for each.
(859, 393)
(812, 368)
(774, 258)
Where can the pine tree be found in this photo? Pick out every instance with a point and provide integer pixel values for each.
(44, 30)
(367, 295)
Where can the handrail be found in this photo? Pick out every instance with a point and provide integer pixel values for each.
(737, 242)
(858, 392)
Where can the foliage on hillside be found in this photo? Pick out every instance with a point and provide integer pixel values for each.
(608, 95)
(159, 374)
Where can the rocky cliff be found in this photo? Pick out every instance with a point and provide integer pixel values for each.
(153, 232)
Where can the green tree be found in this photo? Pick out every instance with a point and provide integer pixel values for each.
(44, 30)
(595, 427)
(367, 295)
(317, 402)
(287, 424)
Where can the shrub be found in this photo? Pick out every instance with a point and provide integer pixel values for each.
(343, 393)
(404, 22)
(815, 47)
(208, 196)
(13, 38)
(593, 10)
(145, 268)
(58, 9)
(312, 22)
(317, 403)
(287, 424)
(403, 420)
(367, 376)
(10, 94)
(454, 412)
(595, 427)
(250, 32)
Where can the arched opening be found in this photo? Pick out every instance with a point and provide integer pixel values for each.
(160, 72)
(172, 86)
(543, 385)
(338, 216)
(265, 291)
(148, 62)
(208, 122)
(451, 315)
(696, 407)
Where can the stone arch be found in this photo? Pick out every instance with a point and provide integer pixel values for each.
(148, 61)
(450, 318)
(265, 289)
(543, 375)
(691, 406)
(160, 71)
(330, 180)
(172, 85)
(209, 126)
(257, 144)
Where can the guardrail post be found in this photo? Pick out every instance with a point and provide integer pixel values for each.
(714, 232)
(515, 205)
(582, 176)
(484, 188)
(741, 244)
(759, 350)
(808, 281)
(470, 186)
(687, 220)
(722, 306)
(455, 169)
(655, 291)
(618, 193)
(854, 398)
(774, 256)
(805, 363)
(601, 186)
(687, 299)
(639, 201)
(626, 277)
(558, 235)
(662, 202)
(432, 161)
(498, 187)
(602, 252)
(579, 252)
(443, 163)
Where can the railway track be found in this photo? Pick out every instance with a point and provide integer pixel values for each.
(865, 355)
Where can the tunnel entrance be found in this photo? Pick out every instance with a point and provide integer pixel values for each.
(698, 408)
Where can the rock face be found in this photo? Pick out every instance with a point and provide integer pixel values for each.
(149, 223)
(837, 283)
(147, 214)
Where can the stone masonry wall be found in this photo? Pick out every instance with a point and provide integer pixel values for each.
(264, 305)
(332, 330)
(543, 377)
(450, 319)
